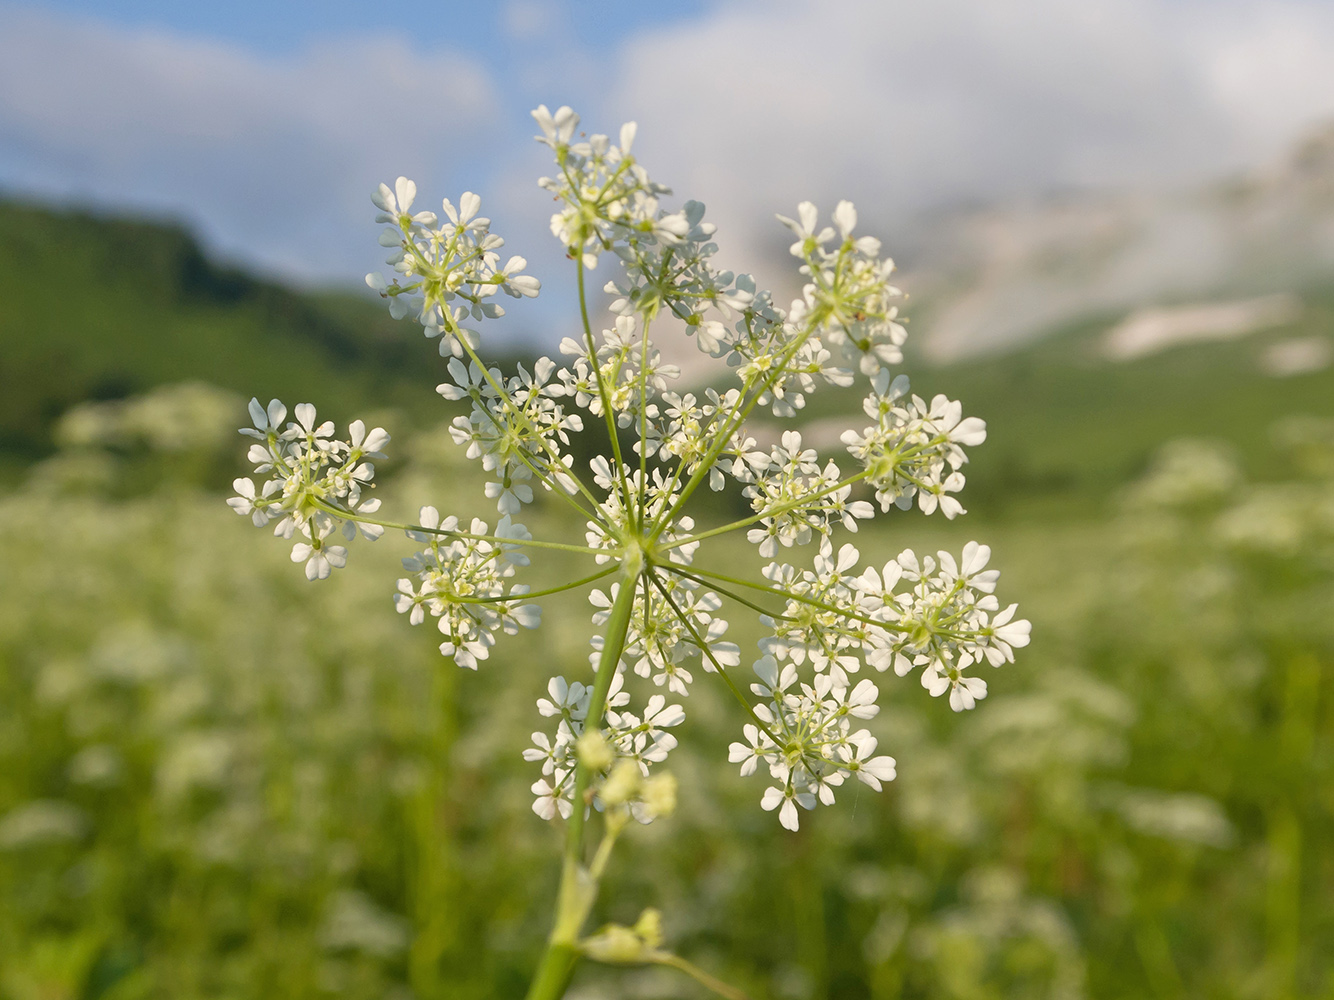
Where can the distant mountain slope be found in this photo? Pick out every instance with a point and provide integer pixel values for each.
(94, 307)
(991, 279)
(1065, 423)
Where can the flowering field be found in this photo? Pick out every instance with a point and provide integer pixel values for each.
(219, 779)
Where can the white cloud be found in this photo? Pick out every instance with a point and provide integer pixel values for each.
(907, 107)
(1272, 73)
(274, 156)
(528, 20)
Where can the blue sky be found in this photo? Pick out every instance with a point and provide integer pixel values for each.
(286, 25)
(265, 125)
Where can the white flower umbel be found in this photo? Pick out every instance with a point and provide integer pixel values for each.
(314, 482)
(914, 449)
(451, 268)
(659, 618)
(807, 741)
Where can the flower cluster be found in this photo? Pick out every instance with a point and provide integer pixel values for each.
(945, 620)
(848, 298)
(660, 614)
(315, 482)
(516, 428)
(935, 613)
(606, 196)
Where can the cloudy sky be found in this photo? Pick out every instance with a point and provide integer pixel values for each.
(265, 123)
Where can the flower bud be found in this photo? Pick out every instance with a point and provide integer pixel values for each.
(594, 751)
(615, 945)
(649, 927)
(622, 784)
(659, 795)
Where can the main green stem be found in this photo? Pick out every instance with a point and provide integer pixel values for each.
(578, 888)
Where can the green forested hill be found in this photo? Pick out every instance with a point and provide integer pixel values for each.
(94, 307)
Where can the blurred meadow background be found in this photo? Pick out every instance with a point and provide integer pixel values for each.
(1115, 223)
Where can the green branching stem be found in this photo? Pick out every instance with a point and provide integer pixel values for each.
(718, 668)
(773, 511)
(643, 426)
(557, 467)
(518, 543)
(603, 395)
(699, 975)
(516, 598)
(731, 595)
(745, 405)
(734, 420)
(788, 595)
